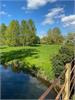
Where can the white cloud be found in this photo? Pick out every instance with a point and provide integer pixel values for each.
(25, 10)
(60, 16)
(68, 20)
(52, 14)
(48, 21)
(2, 13)
(34, 4)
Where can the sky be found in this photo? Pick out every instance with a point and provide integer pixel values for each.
(46, 14)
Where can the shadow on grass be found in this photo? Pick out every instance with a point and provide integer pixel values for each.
(17, 54)
(3, 47)
(36, 45)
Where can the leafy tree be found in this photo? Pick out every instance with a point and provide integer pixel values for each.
(37, 40)
(44, 40)
(71, 36)
(54, 36)
(12, 33)
(15, 34)
(27, 33)
(24, 32)
(32, 32)
(50, 37)
(3, 28)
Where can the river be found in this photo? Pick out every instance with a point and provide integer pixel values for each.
(20, 85)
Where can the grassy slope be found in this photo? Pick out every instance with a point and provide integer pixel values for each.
(37, 55)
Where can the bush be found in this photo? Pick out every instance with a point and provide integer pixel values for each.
(65, 55)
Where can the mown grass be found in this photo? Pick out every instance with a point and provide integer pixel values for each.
(39, 56)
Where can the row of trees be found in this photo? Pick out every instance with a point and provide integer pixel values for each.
(18, 34)
(53, 36)
(24, 33)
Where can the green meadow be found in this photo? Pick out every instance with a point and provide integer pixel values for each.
(39, 55)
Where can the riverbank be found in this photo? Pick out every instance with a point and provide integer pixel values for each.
(32, 57)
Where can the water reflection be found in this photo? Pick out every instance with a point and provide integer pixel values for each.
(18, 85)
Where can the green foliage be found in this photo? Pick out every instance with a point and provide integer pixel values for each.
(53, 37)
(12, 33)
(71, 36)
(57, 37)
(3, 28)
(16, 34)
(44, 40)
(32, 32)
(23, 33)
(65, 55)
(37, 40)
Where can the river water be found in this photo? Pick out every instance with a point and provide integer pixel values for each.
(19, 85)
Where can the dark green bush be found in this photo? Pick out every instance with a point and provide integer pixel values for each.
(65, 55)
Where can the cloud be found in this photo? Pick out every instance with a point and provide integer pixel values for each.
(25, 10)
(3, 13)
(60, 16)
(52, 14)
(34, 4)
(68, 20)
(48, 21)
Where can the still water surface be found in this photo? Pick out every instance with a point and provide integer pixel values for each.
(20, 85)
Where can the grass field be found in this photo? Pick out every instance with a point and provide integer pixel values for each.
(39, 55)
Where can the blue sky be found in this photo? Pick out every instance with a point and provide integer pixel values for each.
(45, 13)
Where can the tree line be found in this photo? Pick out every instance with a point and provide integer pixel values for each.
(25, 33)
(53, 36)
(16, 34)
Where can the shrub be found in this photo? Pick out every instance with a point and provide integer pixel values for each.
(65, 55)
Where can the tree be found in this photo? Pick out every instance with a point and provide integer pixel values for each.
(12, 33)
(44, 40)
(71, 36)
(32, 32)
(24, 32)
(27, 33)
(19, 34)
(3, 28)
(54, 36)
(50, 36)
(37, 40)
(70, 39)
